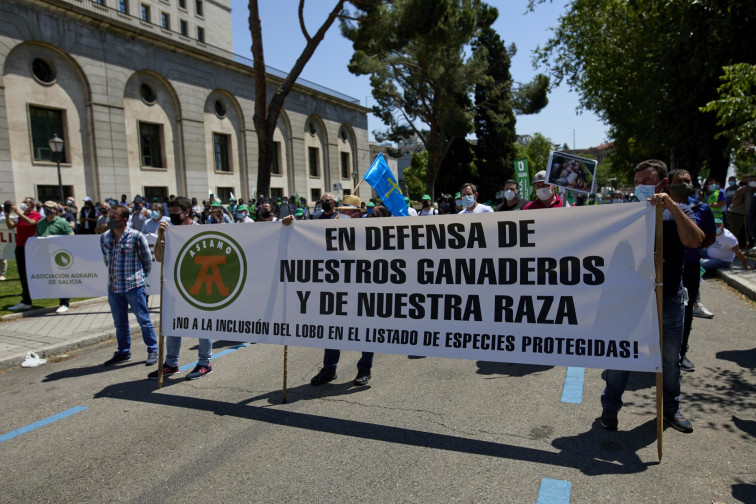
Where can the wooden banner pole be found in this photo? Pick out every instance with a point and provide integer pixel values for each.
(659, 263)
(285, 371)
(161, 333)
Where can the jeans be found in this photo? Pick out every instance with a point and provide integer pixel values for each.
(331, 360)
(673, 312)
(21, 265)
(119, 306)
(173, 347)
(710, 264)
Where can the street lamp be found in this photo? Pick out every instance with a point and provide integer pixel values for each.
(56, 145)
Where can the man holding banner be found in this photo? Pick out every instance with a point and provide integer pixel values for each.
(679, 231)
(127, 256)
(52, 225)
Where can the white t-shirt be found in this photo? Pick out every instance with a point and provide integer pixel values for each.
(411, 212)
(479, 208)
(722, 247)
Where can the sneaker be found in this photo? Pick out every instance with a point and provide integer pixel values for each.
(363, 375)
(117, 357)
(62, 309)
(167, 371)
(199, 371)
(679, 422)
(609, 420)
(2, 278)
(700, 310)
(152, 358)
(323, 376)
(19, 306)
(686, 365)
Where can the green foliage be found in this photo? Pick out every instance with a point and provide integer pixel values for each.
(538, 153)
(646, 67)
(736, 107)
(415, 175)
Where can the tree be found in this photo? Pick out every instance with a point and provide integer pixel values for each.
(414, 175)
(494, 117)
(646, 67)
(268, 111)
(414, 52)
(736, 106)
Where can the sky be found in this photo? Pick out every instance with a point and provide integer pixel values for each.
(283, 43)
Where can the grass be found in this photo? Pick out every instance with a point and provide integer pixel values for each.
(10, 292)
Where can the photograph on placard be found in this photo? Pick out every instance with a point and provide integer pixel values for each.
(571, 172)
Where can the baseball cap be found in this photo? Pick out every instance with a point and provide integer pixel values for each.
(540, 176)
(425, 196)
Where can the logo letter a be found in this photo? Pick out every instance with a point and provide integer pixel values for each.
(211, 279)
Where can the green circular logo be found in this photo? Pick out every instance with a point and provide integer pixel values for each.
(63, 259)
(210, 270)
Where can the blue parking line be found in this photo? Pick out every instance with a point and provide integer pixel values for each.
(227, 351)
(554, 492)
(573, 385)
(41, 423)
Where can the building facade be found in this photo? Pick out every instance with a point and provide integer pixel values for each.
(149, 100)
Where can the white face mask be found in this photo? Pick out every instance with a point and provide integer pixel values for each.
(752, 183)
(509, 194)
(544, 193)
(23, 207)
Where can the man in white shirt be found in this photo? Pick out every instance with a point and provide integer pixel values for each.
(720, 254)
(470, 203)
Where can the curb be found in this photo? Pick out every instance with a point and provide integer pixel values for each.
(51, 309)
(743, 286)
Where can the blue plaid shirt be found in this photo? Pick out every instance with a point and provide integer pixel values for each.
(128, 261)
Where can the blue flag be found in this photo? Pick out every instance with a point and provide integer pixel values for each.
(379, 176)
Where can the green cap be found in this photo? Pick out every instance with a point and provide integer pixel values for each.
(406, 200)
(425, 196)
(718, 221)
(242, 208)
(370, 204)
(215, 203)
(458, 195)
(299, 212)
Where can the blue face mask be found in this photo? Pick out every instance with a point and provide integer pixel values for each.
(458, 202)
(643, 192)
(468, 201)
(155, 214)
(712, 187)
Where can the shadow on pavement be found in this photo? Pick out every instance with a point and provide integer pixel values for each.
(744, 492)
(637, 380)
(92, 370)
(594, 452)
(306, 392)
(505, 368)
(743, 358)
(747, 426)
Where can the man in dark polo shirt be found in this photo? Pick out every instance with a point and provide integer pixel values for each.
(679, 231)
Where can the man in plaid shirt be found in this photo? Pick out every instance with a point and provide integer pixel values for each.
(128, 259)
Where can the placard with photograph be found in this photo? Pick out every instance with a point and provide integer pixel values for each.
(571, 172)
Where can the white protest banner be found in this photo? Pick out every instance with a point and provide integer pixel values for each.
(72, 266)
(572, 287)
(7, 242)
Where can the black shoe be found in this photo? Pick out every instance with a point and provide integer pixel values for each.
(117, 357)
(323, 376)
(609, 420)
(152, 358)
(686, 365)
(363, 375)
(199, 371)
(167, 371)
(679, 422)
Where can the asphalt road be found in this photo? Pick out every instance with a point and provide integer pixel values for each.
(425, 430)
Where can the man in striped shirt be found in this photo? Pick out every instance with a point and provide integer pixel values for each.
(128, 259)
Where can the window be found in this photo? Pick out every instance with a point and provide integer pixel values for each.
(46, 123)
(275, 167)
(150, 192)
(165, 20)
(314, 154)
(184, 27)
(220, 109)
(148, 94)
(99, 2)
(275, 193)
(314, 194)
(224, 193)
(145, 13)
(123, 6)
(220, 150)
(346, 170)
(198, 7)
(182, 4)
(43, 71)
(52, 192)
(347, 192)
(150, 144)
(201, 34)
